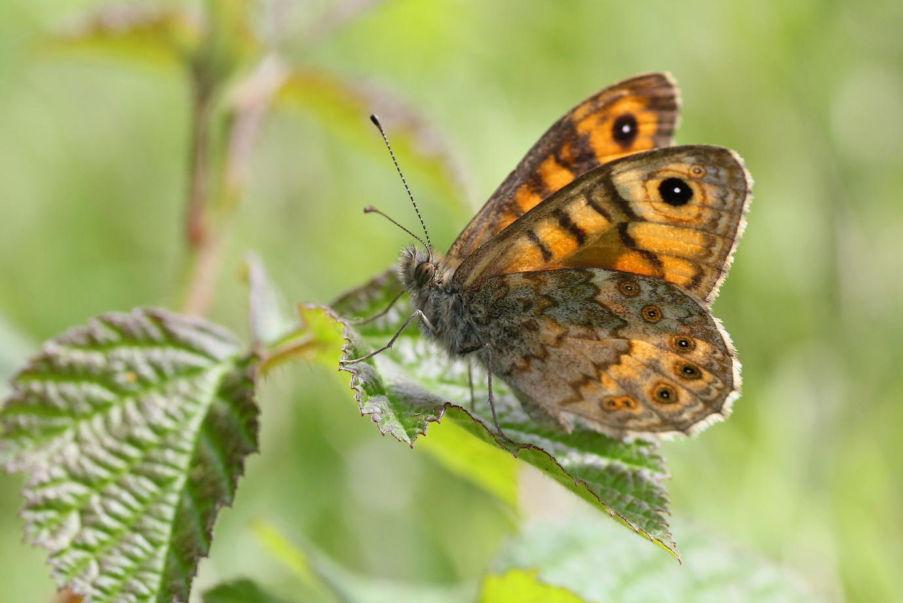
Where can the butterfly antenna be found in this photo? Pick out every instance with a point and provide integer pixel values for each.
(372, 210)
(407, 189)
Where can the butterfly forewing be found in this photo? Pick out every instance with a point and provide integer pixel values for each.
(635, 115)
(674, 214)
(584, 282)
(628, 354)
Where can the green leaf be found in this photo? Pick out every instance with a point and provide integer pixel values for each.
(489, 467)
(267, 314)
(323, 578)
(285, 552)
(228, 42)
(133, 430)
(343, 107)
(240, 591)
(133, 31)
(13, 347)
(415, 383)
(592, 560)
(523, 586)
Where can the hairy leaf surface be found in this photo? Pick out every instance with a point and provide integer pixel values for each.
(593, 561)
(133, 431)
(416, 383)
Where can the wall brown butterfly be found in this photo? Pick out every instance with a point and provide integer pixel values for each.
(586, 279)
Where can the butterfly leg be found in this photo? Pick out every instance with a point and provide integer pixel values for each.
(391, 342)
(381, 313)
(495, 419)
(470, 383)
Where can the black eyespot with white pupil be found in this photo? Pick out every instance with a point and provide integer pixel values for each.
(681, 343)
(665, 394)
(675, 191)
(628, 288)
(689, 372)
(651, 313)
(624, 129)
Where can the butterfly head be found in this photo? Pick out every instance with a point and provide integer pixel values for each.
(419, 268)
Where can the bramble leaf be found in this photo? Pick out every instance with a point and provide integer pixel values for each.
(486, 465)
(342, 107)
(593, 561)
(240, 591)
(415, 383)
(268, 317)
(13, 347)
(133, 430)
(523, 586)
(321, 578)
(139, 31)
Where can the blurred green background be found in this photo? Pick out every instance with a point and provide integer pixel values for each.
(807, 472)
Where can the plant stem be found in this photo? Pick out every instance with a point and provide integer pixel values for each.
(203, 238)
(208, 216)
(199, 166)
(205, 265)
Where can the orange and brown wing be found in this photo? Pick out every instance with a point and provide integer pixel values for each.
(635, 115)
(629, 355)
(675, 214)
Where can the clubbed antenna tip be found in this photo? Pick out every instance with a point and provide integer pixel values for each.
(404, 182)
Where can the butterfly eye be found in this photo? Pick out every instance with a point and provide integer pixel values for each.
(423, 273)
(681, 343)
(624, 129)
(651, 313)
(675, 191)
(628, 288)
(664, 394)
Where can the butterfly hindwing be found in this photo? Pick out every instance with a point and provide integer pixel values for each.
(628, 354)
(675, 214)
(584, 282)
(635, 115)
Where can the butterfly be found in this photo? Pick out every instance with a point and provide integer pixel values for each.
(585, 280)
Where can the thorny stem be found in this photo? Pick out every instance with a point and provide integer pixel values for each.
(205, 265)
(273, 358)
(208, 218)
(199, 165)
(203, 242)
(67, 596)
(299, 342)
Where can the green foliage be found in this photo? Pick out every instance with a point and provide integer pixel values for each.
(133, 430)
(93, 164)
(523, 586)
(485, 464)
(157, 35)
(342, 106)
(591, 560)
(240, 591)
(322, 579)
(580, 559)
(415, 383)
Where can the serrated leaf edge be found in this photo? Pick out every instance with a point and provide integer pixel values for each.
(513, 447)
(81, 589)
